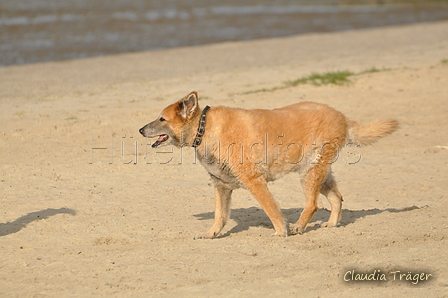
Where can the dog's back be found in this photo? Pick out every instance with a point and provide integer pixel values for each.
(275, 140)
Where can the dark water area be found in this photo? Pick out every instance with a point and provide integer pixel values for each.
(48, 30)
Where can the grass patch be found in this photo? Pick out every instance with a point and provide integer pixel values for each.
(71, 118)
(319, 79)
(444, 61)
(372, 70)
(266, 89)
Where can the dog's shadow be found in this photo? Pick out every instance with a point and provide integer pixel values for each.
(21, 222)
(255, 217)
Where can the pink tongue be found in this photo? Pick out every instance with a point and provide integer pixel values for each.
(159, 141)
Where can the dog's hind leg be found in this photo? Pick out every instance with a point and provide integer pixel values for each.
(311, 185)
(330, 190)
(222, 211)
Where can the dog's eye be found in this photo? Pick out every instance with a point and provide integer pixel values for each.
(161, 119)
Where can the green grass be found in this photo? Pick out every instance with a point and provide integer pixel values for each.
(338, 78)
(317, 79)
(266, 89)
(372, 70)
(444, 61)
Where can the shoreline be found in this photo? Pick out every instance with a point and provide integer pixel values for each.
(355, 50)
(51, 30)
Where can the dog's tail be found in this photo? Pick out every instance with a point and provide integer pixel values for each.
(370, 133)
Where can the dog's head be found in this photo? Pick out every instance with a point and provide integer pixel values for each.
(176, 123)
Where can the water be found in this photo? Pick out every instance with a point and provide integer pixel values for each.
(47, 30)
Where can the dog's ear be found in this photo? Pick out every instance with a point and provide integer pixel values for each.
(188, 105)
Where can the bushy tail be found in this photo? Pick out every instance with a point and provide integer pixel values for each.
(372, 132)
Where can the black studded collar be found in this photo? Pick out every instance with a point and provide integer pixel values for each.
(201, 128)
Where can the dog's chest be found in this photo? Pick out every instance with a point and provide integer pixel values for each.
(221, 172)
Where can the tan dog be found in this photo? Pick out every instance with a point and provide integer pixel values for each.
(248, 148)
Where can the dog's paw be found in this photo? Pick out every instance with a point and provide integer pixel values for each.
(203, 236)
(276, 234)
(296, 229)
(327, 225)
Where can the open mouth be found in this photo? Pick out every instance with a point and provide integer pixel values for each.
(160, 140)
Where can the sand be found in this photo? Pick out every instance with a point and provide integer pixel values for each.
(89, 210)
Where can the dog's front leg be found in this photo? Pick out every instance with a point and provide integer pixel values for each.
(222, 211)
(259, 189)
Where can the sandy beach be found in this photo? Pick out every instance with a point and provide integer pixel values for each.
(89, 210)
